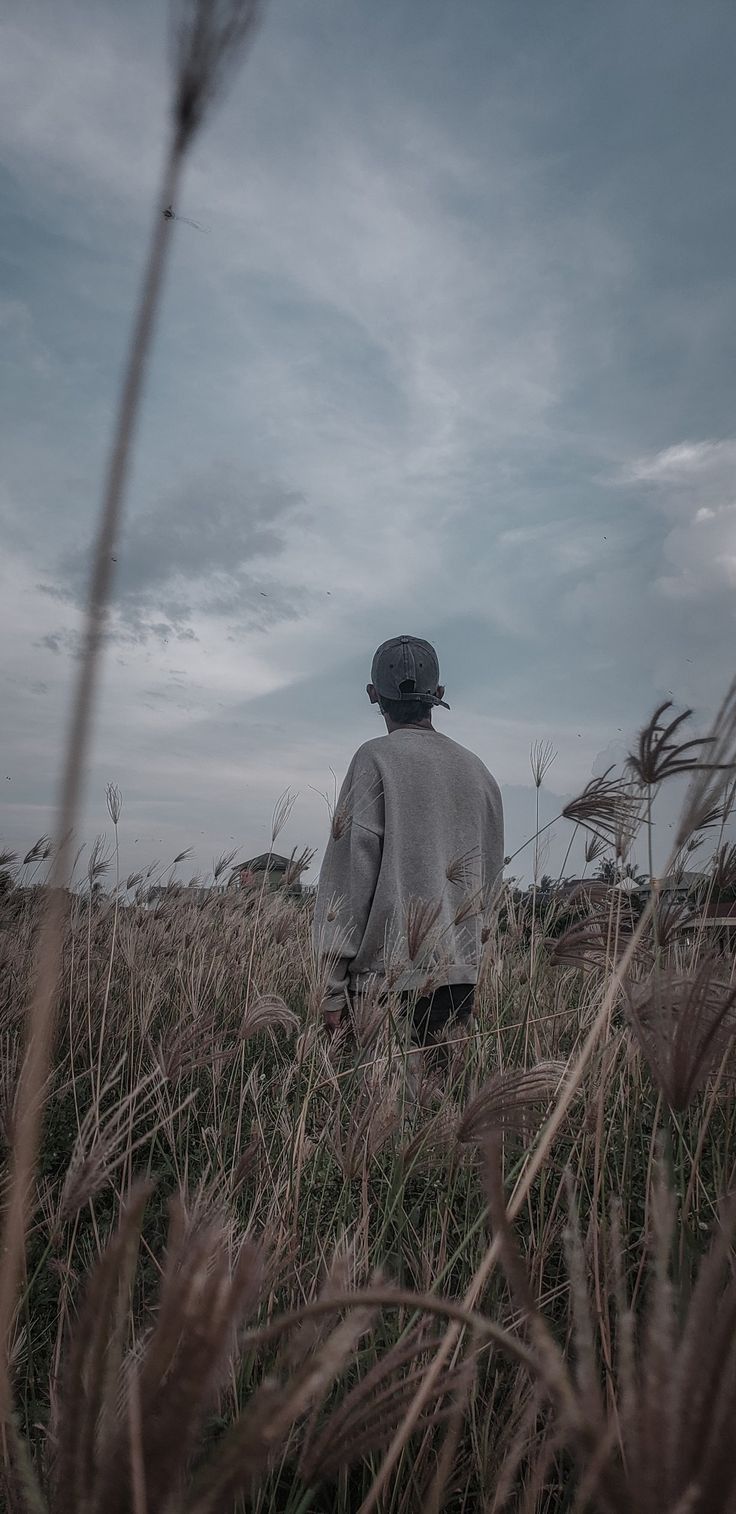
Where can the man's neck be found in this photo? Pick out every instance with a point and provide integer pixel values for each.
(417, 725)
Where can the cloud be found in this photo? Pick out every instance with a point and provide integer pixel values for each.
(693, 484)
(208, 549)
(681, 464)
(442, 302)
(20, 338)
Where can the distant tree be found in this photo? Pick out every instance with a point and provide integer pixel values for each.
(611, 872)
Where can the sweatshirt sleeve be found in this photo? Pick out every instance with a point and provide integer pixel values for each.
(348, 877)
(492, 847)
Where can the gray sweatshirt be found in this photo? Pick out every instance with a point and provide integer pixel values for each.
(414, 856)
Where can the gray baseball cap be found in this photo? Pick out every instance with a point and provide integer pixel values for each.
(407, 660)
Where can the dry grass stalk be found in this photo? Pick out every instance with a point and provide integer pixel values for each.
(360, 1131)
(607, 807)
(595, 846)
(177, 1374)
(267, 1012)
(102, 1145)
(210, 38)
(551, 1366)
(363, 1421)
(473, 904)
(711, 778)
(675, 1392)
(421, 917)
(670, 917)
(298, 864)
(593, 942)
(658, 756)
(465, 868)
(515, 1100)
(723, 869)
(258, 1436)
(684, 1024)
(485, 1268)
(370, 1014)
(541, 757)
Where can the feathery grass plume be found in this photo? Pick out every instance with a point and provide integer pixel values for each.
(606, 807)
(9, 1059)
(365, 1418)
(114, 801)
(684, 1024)
(675, 1389)
(185, 1045)
(267, 1012)
(586, 1369)
(465, 868)
(553, 1372)
(102, 1145)
(298, 864)
(723, 869)
(361, 1129)
(670, 917)
(630, 818)
(336, 1278)
(222, 863)
(514, 1101)
(541, 756)
(254, 1441)
(421, 917)
(251, 1160)
(210, 38)
(342, 819)
(588, 943)
(369, 1013)
(473, 904)
(434, 1138)
(658, 756)
(100, 861)
(282, 812)
(20, 1488)
(712, 776)
(181, 1367)
(91, 1376)
(39, 852)
(595, 846)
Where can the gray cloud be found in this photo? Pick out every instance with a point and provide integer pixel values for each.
(457, 298)
(207, 548)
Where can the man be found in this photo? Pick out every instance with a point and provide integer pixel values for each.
(413, 859)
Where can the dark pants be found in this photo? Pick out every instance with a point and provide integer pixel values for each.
(432, 1015)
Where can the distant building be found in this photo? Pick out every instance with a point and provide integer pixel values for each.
(718, 921)
(713, 923)
(249, 874)
(678, 886)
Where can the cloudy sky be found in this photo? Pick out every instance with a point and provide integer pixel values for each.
(454, 354)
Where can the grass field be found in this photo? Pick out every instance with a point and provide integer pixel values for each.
(567, 1359)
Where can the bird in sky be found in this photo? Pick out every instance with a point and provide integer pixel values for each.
(169, 214)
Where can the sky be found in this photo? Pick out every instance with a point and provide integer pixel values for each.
(453, 354)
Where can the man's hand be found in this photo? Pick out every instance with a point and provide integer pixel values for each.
(333, 1014)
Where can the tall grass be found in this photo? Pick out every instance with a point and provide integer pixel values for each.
(339, 1275)
(240, 1262)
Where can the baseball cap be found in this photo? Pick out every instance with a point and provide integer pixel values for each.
(407, 660)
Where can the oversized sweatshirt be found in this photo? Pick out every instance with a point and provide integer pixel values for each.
(413, 860)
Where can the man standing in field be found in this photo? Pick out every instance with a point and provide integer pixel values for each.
(414, 856)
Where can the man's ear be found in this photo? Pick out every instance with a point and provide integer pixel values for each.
(440, 691)
(372, 693)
